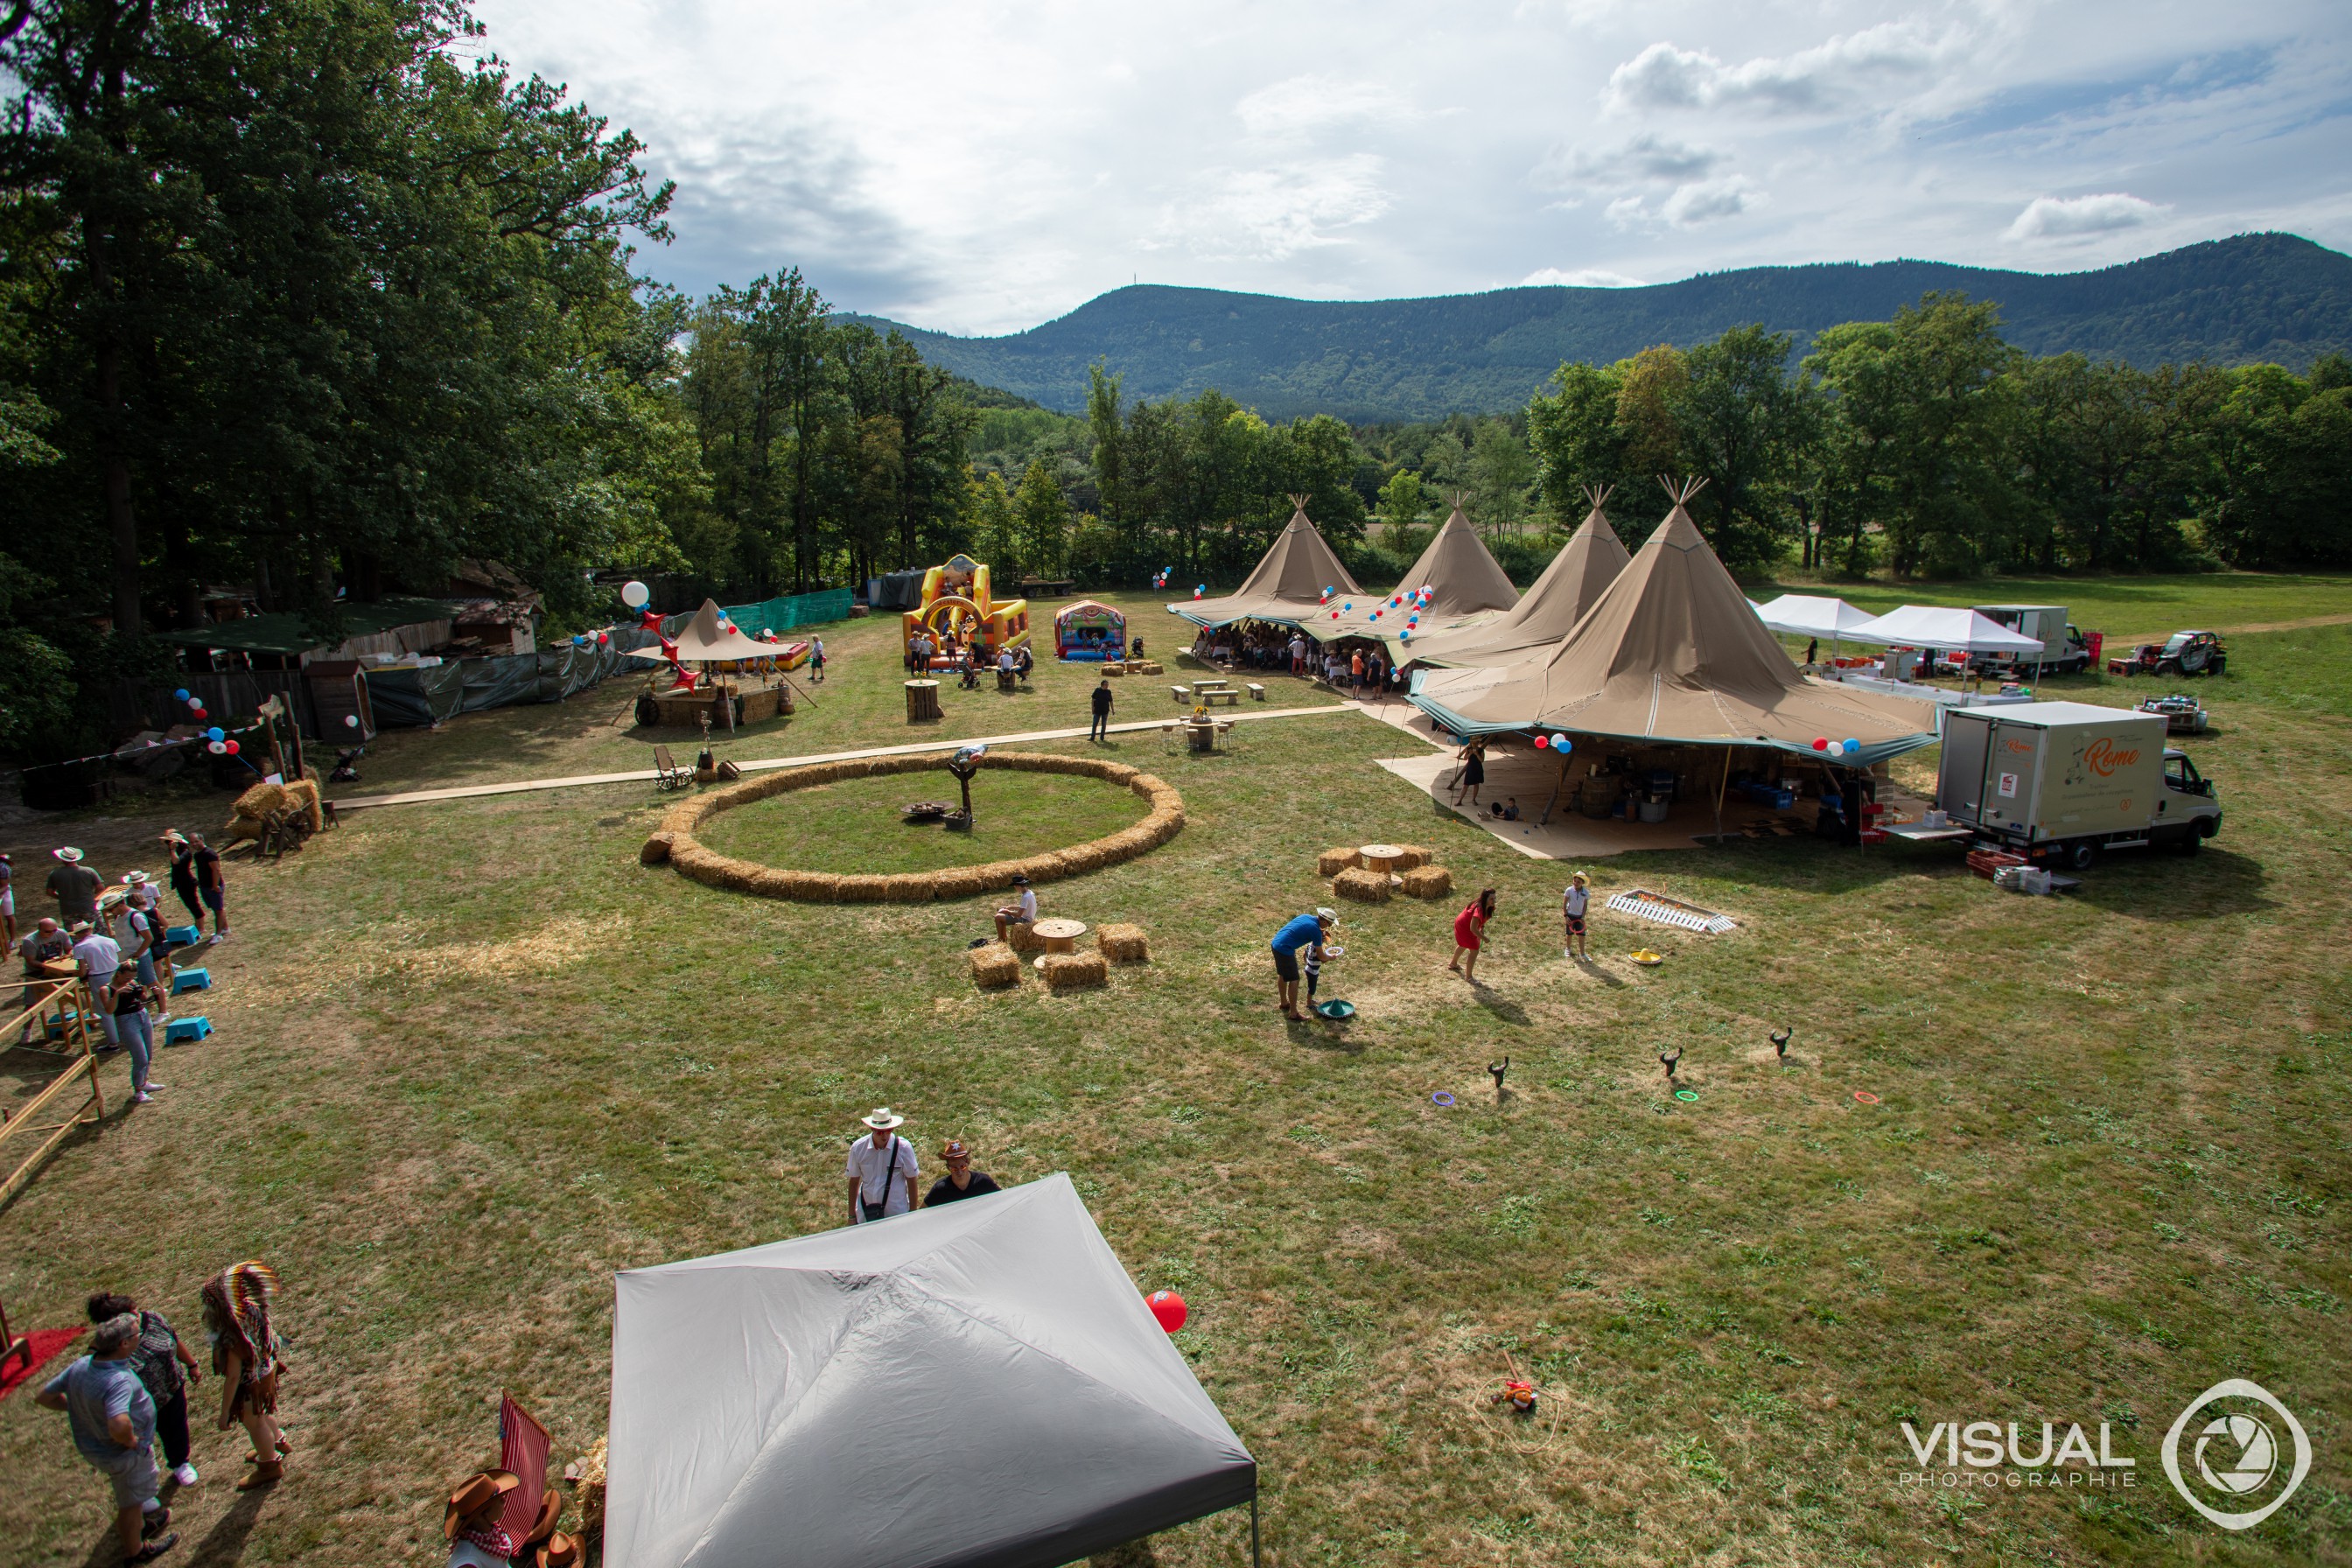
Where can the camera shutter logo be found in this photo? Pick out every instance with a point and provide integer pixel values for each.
(2236, 1454)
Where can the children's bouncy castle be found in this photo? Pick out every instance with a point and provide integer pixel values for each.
(1091, 630)
(957, 607)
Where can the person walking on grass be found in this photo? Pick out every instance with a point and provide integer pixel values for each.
(124, 1005)
(1572, 905)
(882, 1170)
(961, 1181)
(1102, 699)
(1472, 772)
(166, 1370)
(114, 1420)
(1306, 931)
(247, 1355)
(1469, 935)
(817, 662)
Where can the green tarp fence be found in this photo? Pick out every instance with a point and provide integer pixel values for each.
(781, 615)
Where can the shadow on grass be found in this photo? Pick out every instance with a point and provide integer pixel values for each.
(1502, 1007)
(1323, 1037)
(2158, 884)
(225, 1543)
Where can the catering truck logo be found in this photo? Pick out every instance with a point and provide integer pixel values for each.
(2245, 1446)
(2103, 757)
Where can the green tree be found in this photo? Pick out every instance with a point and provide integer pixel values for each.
(1574, 434)
(1742, 422)
(1041, 521)
(1501, 471)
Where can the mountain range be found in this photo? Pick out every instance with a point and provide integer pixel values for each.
(2257, 297)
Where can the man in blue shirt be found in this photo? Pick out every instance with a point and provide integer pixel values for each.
(1301, 932)
(113, 1419)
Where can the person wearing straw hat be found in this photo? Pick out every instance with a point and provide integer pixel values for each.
(1302, 932)
(470, 1521)
(139, 928)
(75, 887)
(961, 1181)
(1572, 905)
(882, 1170)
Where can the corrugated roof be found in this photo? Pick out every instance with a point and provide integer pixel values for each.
(283, 632)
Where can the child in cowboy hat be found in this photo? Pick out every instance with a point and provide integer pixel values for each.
(470, 1523)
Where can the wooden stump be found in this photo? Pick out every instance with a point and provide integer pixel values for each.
(923, 701)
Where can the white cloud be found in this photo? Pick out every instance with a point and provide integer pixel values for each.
(1647, 156)
(1304, 104)
(1273, 213)
(1578, 277)
(1709, 201)
(2067, 217)
(1825, 77)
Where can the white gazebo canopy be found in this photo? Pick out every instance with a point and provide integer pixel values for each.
(1810, 616)
(1946, 626)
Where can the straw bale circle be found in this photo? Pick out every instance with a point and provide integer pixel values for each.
(676, 841)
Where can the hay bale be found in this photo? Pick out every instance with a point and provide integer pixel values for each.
(304, 793)
(1414, 855)
(1428, 882)
(961, 882)
(655, 851)
(259, 801)
(994, 967)
(863, 889)
(1076, 970)
(1364, 886)
(909, 887)
(1020, 938)
(1084, 857)
(1117, 773)
(1123, 943)
(1331, 862)
(592, 1496)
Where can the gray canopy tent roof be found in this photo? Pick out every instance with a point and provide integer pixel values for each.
(1288, 585)
(1552, 607)
(978, 1385)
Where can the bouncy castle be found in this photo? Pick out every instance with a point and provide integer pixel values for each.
(957, 607)
(1089, 630)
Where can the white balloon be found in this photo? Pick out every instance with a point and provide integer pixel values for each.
(635, 594)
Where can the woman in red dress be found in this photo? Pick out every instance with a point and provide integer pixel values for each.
(1469, 926)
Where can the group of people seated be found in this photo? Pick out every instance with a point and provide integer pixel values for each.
(965, 658)
(1248, 646)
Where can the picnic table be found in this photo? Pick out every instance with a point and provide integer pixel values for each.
(1058, 936)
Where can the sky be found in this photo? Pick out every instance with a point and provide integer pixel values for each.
(982, 167)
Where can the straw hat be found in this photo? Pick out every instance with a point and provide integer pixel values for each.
(1328, 916)
(882, 1120)
(134, 879)
(69, 855)
(476, 1492)
(172, 835)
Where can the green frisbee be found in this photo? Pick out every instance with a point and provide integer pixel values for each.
(1686, 1094)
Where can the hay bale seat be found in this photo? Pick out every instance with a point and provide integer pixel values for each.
(675, 842)
(1428, 882)
(1364, 886)
(1331, 862)
(1123, 943)
(1076, 970)
(1414, 855)
(994, 966)
(1022, 937)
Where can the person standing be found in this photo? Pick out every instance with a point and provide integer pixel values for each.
(1572, 905)
(97, 956)
(1470, 933)
(166, 1370)
(75, 887)
(183, 874)
(882, 1170)
(38, 948)
(7, 900)
(247, 1355)
(1299, 932)
(1473, 772)
(140, 929)
(211, 887)
(124, 1004)
(1297, 653)
(817, 662)
(1100, 730)
(113, 1421)
(961, 1181)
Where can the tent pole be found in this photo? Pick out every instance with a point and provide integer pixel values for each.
(1254, 1530)
(1722, 787)
(1544, 819)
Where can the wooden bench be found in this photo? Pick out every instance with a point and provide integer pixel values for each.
(1257, 692)
(1181, 693)
(1220, 694)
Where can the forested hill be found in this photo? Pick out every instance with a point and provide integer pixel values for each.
(2257, 297)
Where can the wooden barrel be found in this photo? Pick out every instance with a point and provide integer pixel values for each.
(922, 701)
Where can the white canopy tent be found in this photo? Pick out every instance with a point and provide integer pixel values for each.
(1810, 616)
(1947, 626)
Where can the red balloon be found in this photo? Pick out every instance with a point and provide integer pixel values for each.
(232, 748)
(1820, 744)
(1542, 742)
(1168, 1307)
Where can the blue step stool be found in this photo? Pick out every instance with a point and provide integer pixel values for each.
(182, 936)
(180, 1029)
(191, 980)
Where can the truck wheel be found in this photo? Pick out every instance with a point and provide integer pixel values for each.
(2082, 855)
(2190, 842)
(2215, 668)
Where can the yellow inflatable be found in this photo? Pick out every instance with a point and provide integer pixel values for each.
(958, 607)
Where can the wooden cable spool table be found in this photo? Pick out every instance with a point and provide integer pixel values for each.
(1381, 856)
(1201, 733)
(922, 701)
(1058, 936)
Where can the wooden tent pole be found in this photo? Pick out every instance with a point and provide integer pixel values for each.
(1722, 787)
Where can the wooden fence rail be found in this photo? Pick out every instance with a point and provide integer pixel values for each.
(69, 998)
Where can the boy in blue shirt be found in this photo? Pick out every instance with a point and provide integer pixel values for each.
(1306, 931)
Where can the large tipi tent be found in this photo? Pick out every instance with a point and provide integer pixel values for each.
(703, 640)
(1585, 565)
(1671, 652)
(974, 1385)
(1287, 585)
(1467, 590)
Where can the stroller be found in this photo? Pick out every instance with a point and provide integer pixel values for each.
(344, 773)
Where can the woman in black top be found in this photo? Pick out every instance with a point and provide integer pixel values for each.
(184, 877)
(127, 999)
(166, 1369)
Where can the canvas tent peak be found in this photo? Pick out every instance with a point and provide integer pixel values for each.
(1287, 585)
(1552, 607)
(797, 1402)
(1466, 589)
(703, 641)
(1671, 652)
(1946, 626)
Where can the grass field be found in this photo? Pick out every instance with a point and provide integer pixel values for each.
(473, 1058)
(852, 827)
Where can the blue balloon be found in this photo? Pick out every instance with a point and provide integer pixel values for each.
(1852, 744)
(215, 733)
(1560, 743)
(181, 695)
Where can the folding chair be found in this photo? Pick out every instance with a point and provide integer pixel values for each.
(667, 775)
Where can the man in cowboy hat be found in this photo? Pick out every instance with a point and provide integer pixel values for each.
(1305, 931)
(882, 1170)
(961, 1181)
(75, 887)
(470, 1523)
(1023, 907)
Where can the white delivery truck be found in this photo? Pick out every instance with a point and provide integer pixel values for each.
(2062, 781)
(2065, 650)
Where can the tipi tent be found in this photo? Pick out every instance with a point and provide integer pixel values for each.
(1287, 585)
(703, 640)
(1585, 565)
(1466, 589)
(977, 1385)
(1671, 652)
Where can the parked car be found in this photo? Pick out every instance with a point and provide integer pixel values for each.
(2183, 653)
(2060, 783)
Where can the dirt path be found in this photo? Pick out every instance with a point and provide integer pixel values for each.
(2138, 637)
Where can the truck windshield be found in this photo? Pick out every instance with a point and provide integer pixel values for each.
(2177, 641)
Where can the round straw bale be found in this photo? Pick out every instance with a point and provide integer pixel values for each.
(655, 851)
(1076, 970)
(1428, 882)
(1364, 886)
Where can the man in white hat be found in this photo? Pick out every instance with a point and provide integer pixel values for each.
(882, 1170)
(75, 887)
